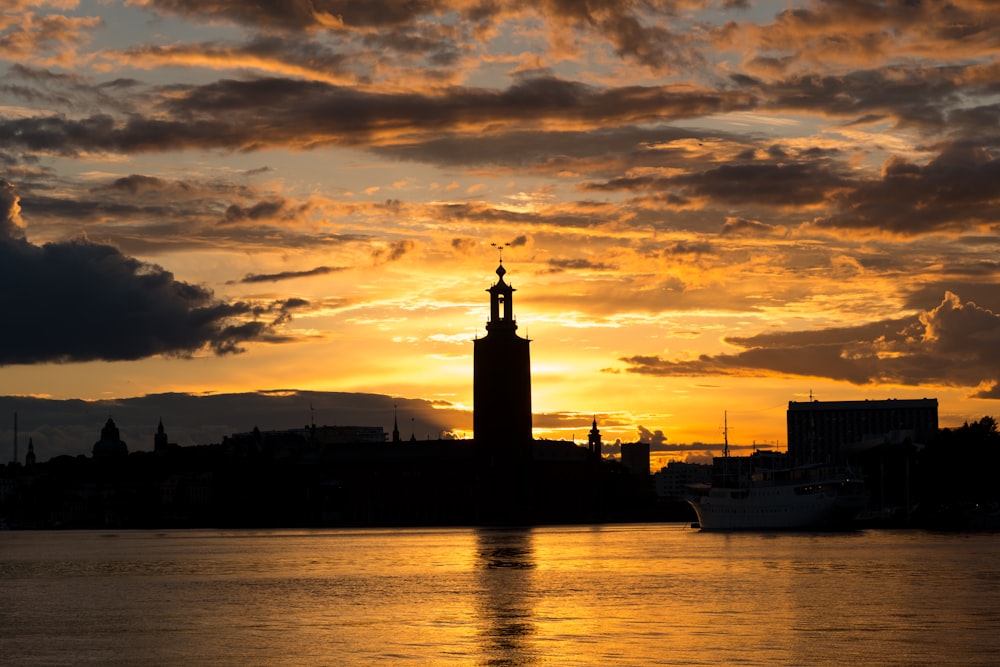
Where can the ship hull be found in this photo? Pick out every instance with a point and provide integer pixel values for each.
(794, 507)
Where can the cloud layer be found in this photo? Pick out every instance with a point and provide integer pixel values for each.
(83, 301)
(718, 188)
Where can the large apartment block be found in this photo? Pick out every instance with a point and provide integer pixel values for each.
(827, 432)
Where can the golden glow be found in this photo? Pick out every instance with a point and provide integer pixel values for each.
(724, 224)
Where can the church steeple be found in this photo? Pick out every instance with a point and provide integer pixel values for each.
(160, 443)
(594, 441)
(395, 425)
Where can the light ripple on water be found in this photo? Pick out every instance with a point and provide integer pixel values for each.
(582, 595)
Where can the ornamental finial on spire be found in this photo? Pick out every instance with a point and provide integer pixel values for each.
(500, 247)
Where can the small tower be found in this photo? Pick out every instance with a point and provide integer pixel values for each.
(594, 441)
(395, 425)
(29, 459)
(160, 444)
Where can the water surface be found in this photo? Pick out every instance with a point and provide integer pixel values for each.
(582, 595)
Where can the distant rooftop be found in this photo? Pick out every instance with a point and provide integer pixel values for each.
(863, 405)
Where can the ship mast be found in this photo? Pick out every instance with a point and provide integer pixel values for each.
(725, 434)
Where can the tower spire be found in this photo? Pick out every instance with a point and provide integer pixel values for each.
(594, 444)
(395, 424)
(501, 298)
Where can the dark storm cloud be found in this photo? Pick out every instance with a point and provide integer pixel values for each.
(984, 292)
(395, 251)
(621, 23)
(149, 215)
(554, 149)
(69, 91)
(958, 188)
(302, 14)
(83, 210)
(80, 301)
(263, 210)
(920, 97)
(137, 183)
(414, 26)
(761, 183)
(255, 114)
(844, 29)
(952, 344)
(147, 226)
(736, 226)
(979, 123)
(684, 248)
(794, 184)
(291, 50)
(295, 36)
(435, 43)
(913, 96)
(289, 275)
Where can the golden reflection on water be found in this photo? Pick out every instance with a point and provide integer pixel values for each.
(506, 568)
(584, 595)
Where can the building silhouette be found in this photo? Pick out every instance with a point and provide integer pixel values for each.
(830, 431)
(501, 385)
(501, 417)
(594, 444)
(635, 457)
(351, 475)
(110, 445)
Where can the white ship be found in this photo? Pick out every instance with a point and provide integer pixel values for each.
(760, 492)
(815, 497)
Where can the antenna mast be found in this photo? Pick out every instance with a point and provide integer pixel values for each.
(725, 434)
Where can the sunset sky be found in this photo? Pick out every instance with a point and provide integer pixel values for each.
(713, 206)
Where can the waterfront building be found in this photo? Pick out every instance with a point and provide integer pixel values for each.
(830, 431)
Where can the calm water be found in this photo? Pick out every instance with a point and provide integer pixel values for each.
(625, 595)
